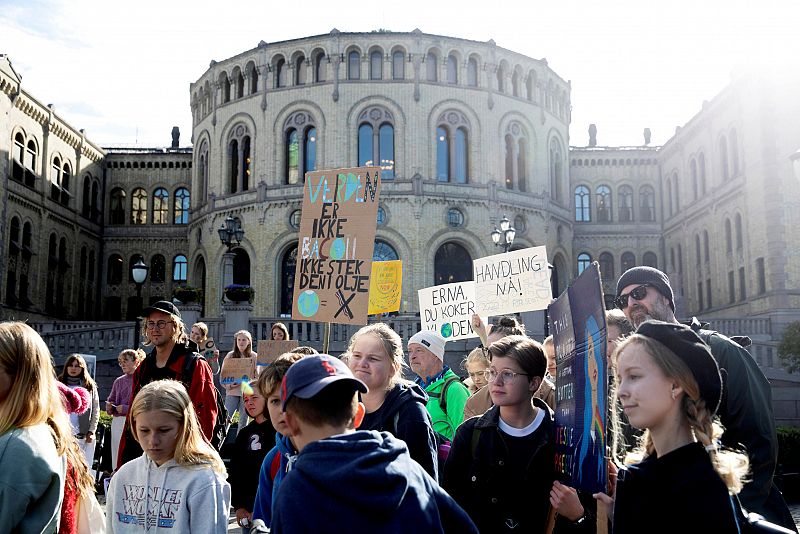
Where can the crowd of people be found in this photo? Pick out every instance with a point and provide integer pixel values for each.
(376, 441)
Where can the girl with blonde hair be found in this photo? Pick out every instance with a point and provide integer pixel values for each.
(35, 433)
(76, 374)
(234, 400)
(179, 482)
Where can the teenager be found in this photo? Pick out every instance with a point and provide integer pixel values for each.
(76, 374)
(234, 401)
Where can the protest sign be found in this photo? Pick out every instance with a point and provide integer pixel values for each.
(337, 238)
(448, 309)
(511, 282)
(270, 349)
(209, 351)
(577, 321)
(235, 370)
(385, 286)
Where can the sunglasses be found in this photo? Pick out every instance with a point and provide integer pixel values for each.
(638, 293)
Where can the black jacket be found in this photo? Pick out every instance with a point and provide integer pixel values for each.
(403, 414)
(679, 492)
(252, 445)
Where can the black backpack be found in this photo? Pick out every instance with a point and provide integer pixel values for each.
(221, 426)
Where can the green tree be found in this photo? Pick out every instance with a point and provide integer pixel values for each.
(789, 349)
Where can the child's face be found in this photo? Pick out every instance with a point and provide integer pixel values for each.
(158, 434)
(254, 404)
(276, 415)
(242, 342)
(277, 334)
(475, 370)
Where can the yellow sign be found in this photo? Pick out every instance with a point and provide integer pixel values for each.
(385, 286)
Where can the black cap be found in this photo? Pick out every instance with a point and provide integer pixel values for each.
(162, 306)
(647, 275)
(687, 345)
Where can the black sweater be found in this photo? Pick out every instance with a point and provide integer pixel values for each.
(252, 445)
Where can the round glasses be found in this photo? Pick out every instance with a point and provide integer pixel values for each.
(506, 376)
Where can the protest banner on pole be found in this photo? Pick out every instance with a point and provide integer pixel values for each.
(515, 281)
(235, 370)
(578, 323)
(337, 238)
(269, 349)
(385, 286)
(448, 309)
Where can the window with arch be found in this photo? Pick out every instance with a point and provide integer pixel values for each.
(158, 268)
(239, 83)
(300, 70)
(583, 212)
(280, 73)
(723, 158)
(606, 262)
(225, 86)
(431, 67)
(647, 204)
(677, 192)
(117, 207)
(452, 263)
(59, 187)
(584, 260)
(625, 203)
(628, 261)
(160, 206)
(515, 84)
(375, 65)
(697, 249)
(239, 159)
(452, 69)
(179, 265)
(452, 147)
(734, 153)
(472, 72)
(288, 269)
(253, 75)
(202, 171)
(693, 172)
(353, 65)
(182, 204)
(376, 140)
(556, 169)
(604, 208)
(739, 236)
(319, 67)
(701, 172)
(516, 160)
(398, 65)
(529, 87)
(114, 269)
(650, 260)
(501, 75)
(86, 197)
(300, 153)
(383, 251)
(728, 237)
(18, 172)
(138, 206)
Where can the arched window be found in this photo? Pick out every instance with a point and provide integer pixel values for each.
(734, 153)
(300, 70)
(253, 79)
(515, 156)
(241, 267)
(556, 169)
(472, 72)
(723, 158)
(606, 261)
(628, 261)
(442, 155)
(160, 206)
(625, 203)
(432, 67)
(179, 268)
(697, 249)
(117, 207)
(114, 269)
(158, 268)
(319, 67)
(693, 171)
(509, 162)
(199, 280)
(18, 172)
(452, 147)
(225, 85)
(461, 156)
(701, 164)
(292, 157)
(383, 251)
(375, 65)
(728, 237)
(739, 236)
(398, 65)
(386, 150)
(515, 84)
(529, 87)
(677, 192)
(353, 66)
(182, 205)
(647, 203)
(584, 260)
(559, 276)
(202, 171)
(706, 248)
(501, 75)
(280, 73)
(649, 259)
(365, 145)
(138, 206)
(86, 202)
(376, 140)
(239, 84)
(583, 212)
(604, 207)
(452, 69)
(239, 159)
(288, 269)
(300, 154)
(233, 166)
(310, 149)
(452, 263)
(522, 164)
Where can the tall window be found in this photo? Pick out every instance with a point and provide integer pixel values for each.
(310, 149)
(158, 268)
(292, 157)
(114, 269)
(117, 206)
(697, 249)
(584, 260)
(606, 261)
(739, 237)
(280, 73)
(556, 169)
(603, 203)
(734, 153)
(202, 171)
(472, 72)
(501, 76)
(431, 67)
(582, 207)
(353, 66)
(319, 67)
(761, 276)
(179, 269)
(516, 171)
(723, 158)
(706, 248)
(628, 261)
(139, 206)
(731, 287)
(376, 140)
(452, 263)
(742, 285)
(452, 69)
(18, 172)
(509, 162)
(728, 238)
(677, 193)
(515, 84)
(701, 171)
(160, 206)
(452, 147)
(300, 152)
(398, 65)
(182, 204)
(375, 65)
(529, 86)
(300, 70)
(650, 260)
(288, 269)
(693, 171)
(625, 203)
(225, 85)
(253, 73)
(239, 84)
(442, 155)
(647, 203)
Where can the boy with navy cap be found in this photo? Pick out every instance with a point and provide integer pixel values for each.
(344, 480)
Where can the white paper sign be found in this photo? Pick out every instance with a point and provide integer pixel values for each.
(515, 281)
(448, 309)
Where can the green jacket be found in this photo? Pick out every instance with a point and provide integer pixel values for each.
(456, 397)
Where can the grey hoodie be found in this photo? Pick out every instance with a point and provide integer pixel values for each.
(144, 497)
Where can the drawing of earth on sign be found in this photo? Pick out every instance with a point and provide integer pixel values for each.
(308, 303)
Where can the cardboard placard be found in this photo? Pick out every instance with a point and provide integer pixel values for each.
(515, 281)
(207, 350)
(577, 320)
(385, 286)
(337, 239)
(235, 370)
(270, 349)
(448, 309)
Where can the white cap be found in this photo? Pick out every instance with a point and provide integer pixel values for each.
(430, 340)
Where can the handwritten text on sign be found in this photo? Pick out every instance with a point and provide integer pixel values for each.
(385, 286)
(515, 281)
(448, 309)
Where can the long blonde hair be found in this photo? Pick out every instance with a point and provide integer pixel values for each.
(392, 345)
(170, 396)
(731, 466)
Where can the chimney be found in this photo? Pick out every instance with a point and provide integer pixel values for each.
(646, 136)
(592, 135)
(176, 136)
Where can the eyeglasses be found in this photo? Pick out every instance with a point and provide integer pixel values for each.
(152, 325)
(507, 376)
(638, 293)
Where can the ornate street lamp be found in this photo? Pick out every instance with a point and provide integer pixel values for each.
(231, 233)
(504, 237)
(139, 274)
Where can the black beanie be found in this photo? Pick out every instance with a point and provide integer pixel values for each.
(687, 345)
(647, 275)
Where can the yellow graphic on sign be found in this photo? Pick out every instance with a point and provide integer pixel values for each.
(385, 286)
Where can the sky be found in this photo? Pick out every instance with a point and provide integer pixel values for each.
(122, 71)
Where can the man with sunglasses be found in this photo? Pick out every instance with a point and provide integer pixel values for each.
(746, 410)
(163, 328)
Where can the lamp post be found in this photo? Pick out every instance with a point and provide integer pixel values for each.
(139, 275)
(231, 234)
(504, 237)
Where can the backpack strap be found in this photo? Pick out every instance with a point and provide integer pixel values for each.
(442, 395)
(189, 363)
(275, 466)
